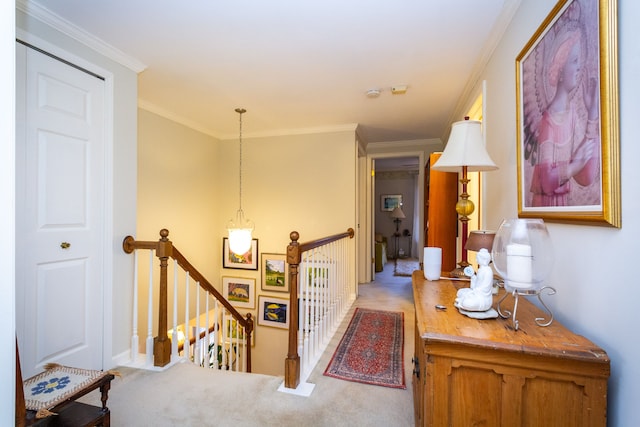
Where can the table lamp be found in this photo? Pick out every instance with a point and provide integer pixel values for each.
(464, 152)
(397, 216)
(479, 239)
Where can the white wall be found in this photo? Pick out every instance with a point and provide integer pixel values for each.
(598, 293)
(7, 223)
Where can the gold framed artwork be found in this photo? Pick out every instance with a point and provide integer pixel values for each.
(274, 273)
(567, 116)
(239, 291)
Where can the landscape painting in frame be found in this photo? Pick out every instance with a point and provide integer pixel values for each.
(239, 291)
(389, 202)
(273, 312)
(246, 261)
(274, 273)
(567, 113)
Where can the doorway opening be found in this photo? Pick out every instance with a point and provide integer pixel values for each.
(396, 209)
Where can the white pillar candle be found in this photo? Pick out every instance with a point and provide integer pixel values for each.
(519, 266)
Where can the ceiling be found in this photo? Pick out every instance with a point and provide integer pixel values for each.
(296, 66)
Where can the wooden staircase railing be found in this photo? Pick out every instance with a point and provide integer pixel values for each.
(164, 250)
(295, 255)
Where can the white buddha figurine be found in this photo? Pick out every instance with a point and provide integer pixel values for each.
(479, 296)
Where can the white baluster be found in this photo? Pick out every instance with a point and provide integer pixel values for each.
(134, 335)
(149, 344)
(197, 352)
(174, 335)
(186, 347)
(207, 343)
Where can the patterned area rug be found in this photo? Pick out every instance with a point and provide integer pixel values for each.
(371, 350)
(406, 266)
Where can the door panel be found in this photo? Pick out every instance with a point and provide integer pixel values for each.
(59, 213)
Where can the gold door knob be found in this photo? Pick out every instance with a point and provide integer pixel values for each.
(65, 245)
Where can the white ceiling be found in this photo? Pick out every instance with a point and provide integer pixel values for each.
(296, 65)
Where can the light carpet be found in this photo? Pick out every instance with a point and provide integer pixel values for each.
(371, 351)
(186, 395)
(406, 266)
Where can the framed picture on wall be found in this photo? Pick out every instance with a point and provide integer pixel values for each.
(389, 202)
(246, 261)
(567, 113)
(273, 312)
(274, 273)
(239, 291)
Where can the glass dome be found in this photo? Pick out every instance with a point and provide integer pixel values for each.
(523, 254)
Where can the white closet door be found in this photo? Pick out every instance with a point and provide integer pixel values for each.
(59, 214)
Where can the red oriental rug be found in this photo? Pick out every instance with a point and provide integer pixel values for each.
(372, 349)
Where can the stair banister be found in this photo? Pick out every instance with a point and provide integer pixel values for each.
(294, 258)
(164, 250)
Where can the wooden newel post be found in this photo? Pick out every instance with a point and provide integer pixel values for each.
(292, 363)
(162, 343)
(249, 331)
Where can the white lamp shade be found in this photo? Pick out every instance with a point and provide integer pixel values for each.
(397, 213)
(465, 148)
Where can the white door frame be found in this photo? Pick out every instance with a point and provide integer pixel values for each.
(369, 178)
(107, 307)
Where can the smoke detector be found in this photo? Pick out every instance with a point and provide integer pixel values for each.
(373, 93)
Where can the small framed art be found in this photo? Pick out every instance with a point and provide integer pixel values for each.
(239, 291)
(246, 261)
(273, 312)
(389, 202)
(274, 273)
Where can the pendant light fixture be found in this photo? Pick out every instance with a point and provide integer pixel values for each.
(240, 229)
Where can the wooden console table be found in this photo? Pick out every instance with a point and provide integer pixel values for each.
(471, 372)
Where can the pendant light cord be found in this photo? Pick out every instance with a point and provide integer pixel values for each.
(241, 111)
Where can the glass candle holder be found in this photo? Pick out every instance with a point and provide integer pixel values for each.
(522, 254)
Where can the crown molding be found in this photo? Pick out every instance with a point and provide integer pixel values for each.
(155, 109)
(49, 18)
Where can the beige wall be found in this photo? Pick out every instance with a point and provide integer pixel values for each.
(188, 183)
(304, 183)
(178, 189)
(597, 291)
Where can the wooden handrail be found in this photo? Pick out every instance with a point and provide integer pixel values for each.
(294, 257)
(164, 250)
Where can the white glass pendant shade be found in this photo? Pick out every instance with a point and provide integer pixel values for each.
(523, 254)
(240, 231)
(240, 234)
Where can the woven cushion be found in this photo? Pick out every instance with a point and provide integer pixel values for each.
(55, 385)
